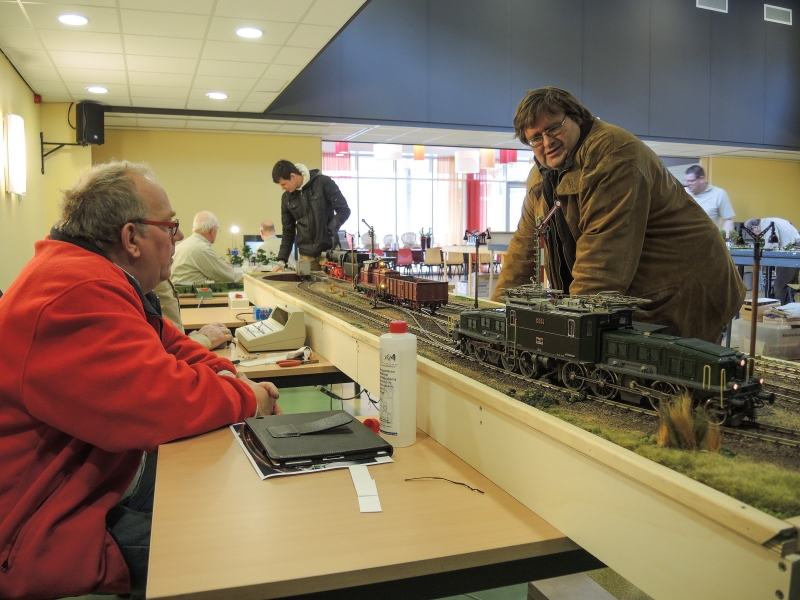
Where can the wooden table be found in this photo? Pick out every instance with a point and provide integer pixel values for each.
(321, 373)
(219, 532)
(195, 318)
(195, 302)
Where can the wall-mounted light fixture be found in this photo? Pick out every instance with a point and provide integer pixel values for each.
(387, 151)
(419, 152)
(16, 164)
(468, 161)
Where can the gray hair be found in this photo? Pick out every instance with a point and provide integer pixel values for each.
(204, 222)
(103, 200)
(750, 223)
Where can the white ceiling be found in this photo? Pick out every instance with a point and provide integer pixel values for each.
(167, 54)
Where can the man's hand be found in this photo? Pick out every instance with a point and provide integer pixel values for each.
(266, 396)
(279, 266)
(217, 333)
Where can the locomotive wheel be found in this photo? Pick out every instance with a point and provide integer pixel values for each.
(572, 374)
(602, 380)
(481, 354)
(664, 387)
(527, 365)
(509, 362)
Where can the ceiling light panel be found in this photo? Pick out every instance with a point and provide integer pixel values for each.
(240, 52)
(230, 68)
(198, 7)
(159, 64)
(264, 10)
(46, 16)
(217, 95)
(73, 20)
(223, 29)
(249, 33)
(145, 22)
(87, 60)
(150, 45)
(80, 41)
(106, 76)
(16, 37)
(244, 84)
(233, 95)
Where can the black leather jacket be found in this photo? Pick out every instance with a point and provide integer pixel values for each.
(312, 216)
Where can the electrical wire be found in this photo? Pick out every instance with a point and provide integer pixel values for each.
(445, 479)
(69, 108)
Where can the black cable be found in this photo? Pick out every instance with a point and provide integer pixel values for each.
(445, 479)
(239, 316)
(69, 108)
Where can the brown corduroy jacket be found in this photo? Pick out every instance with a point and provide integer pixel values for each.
(637, 232)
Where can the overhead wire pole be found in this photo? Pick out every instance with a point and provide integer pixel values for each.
(758, 240)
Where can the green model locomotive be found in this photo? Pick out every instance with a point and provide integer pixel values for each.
(591, 342)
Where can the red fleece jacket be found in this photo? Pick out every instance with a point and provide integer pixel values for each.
(86, 385)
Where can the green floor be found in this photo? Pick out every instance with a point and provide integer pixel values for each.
(309, 399)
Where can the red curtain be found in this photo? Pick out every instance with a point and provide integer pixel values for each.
(476, 201)
(332, 162)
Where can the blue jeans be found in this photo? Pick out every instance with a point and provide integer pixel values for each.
(129, 524)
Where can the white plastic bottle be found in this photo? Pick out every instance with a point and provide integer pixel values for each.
(399, 385)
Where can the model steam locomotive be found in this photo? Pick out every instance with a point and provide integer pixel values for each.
(591, 342)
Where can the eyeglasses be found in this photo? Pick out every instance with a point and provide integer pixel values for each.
(537, 140)
(173, 225)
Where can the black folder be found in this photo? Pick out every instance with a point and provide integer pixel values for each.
(314, 438)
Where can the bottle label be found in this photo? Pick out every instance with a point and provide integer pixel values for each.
(390, 418)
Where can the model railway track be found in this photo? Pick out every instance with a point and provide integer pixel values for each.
(787, 437)
(783, 436)
(780, 391)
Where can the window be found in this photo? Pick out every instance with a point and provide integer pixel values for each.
(622, 350)
(674, 366)
(408, 195)
(589, 328)
(611, 348)
(687, 368)
(571, 328)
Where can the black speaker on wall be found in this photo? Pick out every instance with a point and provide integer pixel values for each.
(89, 124)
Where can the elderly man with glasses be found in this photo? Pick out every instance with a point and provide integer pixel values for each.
(92, 378)
(195, 259)
(625, 223)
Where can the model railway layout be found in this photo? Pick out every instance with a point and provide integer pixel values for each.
(734, 403)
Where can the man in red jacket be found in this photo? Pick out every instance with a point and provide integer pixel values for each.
(91, 378)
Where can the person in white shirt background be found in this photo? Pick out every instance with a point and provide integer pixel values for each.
(787, 234)
(712, 199)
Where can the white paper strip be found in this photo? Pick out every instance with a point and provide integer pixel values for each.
(366, 489)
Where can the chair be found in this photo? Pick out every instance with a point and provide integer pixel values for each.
(388, 240)
(365, 240)
(433, 258)
(409, 239)
(405, 259)
(487, 259)
(455, 261)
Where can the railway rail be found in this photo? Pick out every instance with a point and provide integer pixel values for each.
(776, 435)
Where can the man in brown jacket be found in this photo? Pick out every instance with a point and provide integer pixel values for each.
(625, 223)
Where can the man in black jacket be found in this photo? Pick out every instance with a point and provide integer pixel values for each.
(312, 212)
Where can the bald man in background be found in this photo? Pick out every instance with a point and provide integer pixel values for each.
(272, 243)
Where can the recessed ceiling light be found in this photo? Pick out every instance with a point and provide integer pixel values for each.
(217, 95)
(96, 89)
(73, 19)
(249, 32)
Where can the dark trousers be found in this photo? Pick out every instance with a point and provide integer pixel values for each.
(783, 276)
(130, 523)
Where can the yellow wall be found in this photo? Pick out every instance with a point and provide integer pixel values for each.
(63, 166)
(759, 188)
(226, 173)
(22, 220)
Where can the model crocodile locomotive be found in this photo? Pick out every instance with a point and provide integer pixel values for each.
(591, 342)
